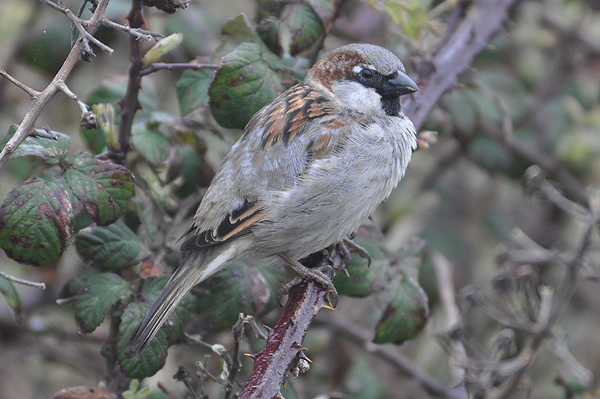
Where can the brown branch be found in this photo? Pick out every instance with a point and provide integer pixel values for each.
(79, 50)
(284, 345)
(483, 19)
(130, 103)
(284, 350)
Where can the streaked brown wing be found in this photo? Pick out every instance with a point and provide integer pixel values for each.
(278, 124)
(287, 116)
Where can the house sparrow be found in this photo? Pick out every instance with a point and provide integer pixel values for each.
(308, 169)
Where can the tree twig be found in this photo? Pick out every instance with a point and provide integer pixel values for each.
(284, 344)
(32, 93)
(136, 32)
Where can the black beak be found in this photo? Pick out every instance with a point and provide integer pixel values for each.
(400, 85)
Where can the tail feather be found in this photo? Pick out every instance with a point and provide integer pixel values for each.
(196, 267)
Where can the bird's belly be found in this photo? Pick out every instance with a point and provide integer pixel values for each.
(323, 208)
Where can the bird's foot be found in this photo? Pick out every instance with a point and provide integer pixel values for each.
(347, 246)
(341, 252)
(321, 275)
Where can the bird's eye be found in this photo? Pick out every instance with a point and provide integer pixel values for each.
(366, 73)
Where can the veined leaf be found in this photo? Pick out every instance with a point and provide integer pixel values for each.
(36, 221)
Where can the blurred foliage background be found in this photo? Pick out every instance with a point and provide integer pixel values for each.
(531, 97)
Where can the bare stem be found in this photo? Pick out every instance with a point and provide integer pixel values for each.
(136, 32)
(32, 93)
(22, 281)
(65, 89)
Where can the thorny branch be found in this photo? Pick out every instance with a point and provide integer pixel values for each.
(130, 103)
(32, 93)
(80, 25)
(135, 32)
(284, 349)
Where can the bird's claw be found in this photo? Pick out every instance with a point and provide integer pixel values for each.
(347, 246)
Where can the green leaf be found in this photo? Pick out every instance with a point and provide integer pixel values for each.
(147, 363)
(245, 82)
(192, 89)
(150, 142)
(99, 293)
(268, 30)
(115, 247)
(36, 221)
(239, 288)
(161, 48)
(104, 188)
(7, 289)
(48, 149)
(240, 29)
(406, 314)
(303, 25)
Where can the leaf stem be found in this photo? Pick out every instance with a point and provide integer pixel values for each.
(22, 281)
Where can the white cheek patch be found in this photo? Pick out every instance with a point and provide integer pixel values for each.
(355, 96)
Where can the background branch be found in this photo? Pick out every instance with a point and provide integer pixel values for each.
(482, 20)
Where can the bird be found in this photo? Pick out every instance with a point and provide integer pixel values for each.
(307, 171)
